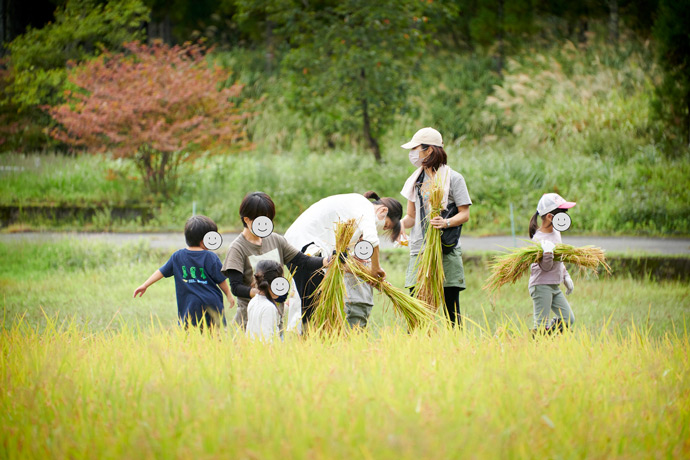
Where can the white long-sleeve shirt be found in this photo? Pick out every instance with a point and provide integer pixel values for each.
(317, 223)
(262, 319)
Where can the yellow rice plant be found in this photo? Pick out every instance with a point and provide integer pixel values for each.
(429, 264)
(329, 314)
(508, 268)
(415, 312)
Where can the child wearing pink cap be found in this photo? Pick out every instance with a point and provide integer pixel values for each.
(548, 274)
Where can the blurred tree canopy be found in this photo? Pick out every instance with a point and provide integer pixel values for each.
(672, 33)
(346, 64)
(82, 29)
(349, 60)
(151, 105)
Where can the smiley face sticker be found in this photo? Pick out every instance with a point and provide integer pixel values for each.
(213, 240)
(262, 226)
(280, 286)
(561, 221)
(364, 250)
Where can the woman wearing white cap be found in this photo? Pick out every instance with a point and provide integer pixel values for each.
(547, 275)
(428, 155)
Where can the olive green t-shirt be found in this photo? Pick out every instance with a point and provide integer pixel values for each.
(243, 256)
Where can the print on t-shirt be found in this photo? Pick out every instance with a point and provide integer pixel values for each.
(192, 277)
(273, 255)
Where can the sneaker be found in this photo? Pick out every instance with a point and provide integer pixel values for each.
(556, 326)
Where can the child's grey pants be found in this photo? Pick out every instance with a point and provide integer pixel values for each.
(359, 301)
(547, 298)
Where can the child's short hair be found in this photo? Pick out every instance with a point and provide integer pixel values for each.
(266, 271)
(255, 205)
(196, 227)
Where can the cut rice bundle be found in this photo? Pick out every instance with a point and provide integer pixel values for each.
(508, 268)
(415, 312)
(329, 314)
(429, 264)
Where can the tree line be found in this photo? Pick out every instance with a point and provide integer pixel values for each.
(349, 60)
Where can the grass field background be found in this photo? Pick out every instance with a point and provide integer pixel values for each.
(93, 282)
(88, 372)
(576, 120)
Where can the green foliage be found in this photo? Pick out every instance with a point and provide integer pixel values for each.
(672, 33)
(449, 92)
(350, 62)
(50, 179)
(499, 19)
(156, 105)
(82, 28)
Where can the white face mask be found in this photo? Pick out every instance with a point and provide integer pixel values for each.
(414, 158)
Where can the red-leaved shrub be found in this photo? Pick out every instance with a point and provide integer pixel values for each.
(155, 104)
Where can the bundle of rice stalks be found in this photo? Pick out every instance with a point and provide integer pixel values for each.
(508, 268)
(329, 314)
(429, 264)
(415, 312)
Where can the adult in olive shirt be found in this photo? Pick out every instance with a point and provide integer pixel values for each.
(248, 249)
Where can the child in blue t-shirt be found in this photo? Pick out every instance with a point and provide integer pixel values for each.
(197, 277)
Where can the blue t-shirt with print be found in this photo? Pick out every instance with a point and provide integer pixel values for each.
(197, 276)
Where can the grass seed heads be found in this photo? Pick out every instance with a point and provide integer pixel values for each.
(329, 314)
(429, 264)
(510, 267)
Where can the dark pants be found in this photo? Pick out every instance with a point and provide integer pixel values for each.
(307, 283)
(451, 296)
(207, 317)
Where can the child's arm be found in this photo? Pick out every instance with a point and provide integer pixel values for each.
(157, 275)
(568, 281)
(225, 287)
(547, 261)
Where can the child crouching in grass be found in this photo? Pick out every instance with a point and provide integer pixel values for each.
(198, 279)
(548, 274)
(262, 311)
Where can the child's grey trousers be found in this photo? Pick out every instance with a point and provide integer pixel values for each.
(547, 298)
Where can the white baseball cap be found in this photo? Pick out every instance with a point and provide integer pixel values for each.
(426, 136)
(552, 201)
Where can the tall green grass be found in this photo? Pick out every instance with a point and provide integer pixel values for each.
(93, 283)
(565, 118)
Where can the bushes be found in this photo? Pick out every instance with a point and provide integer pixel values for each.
(155, 105)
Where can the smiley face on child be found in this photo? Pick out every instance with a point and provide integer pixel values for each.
(213, 240)
(561, 222)
(262, 226)
(364, 250)
(280, 286)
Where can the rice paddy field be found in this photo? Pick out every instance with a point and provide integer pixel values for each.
(89, 372)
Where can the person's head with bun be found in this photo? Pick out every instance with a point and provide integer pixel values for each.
(266, 271)
(389, 211)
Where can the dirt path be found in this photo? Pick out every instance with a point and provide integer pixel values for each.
(615, 244)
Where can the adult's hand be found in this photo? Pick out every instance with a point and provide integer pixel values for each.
(439, 222)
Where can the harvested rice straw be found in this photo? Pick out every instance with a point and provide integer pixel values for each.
(429, 264)
(329, 314)
(415, 312)
(508, 268)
